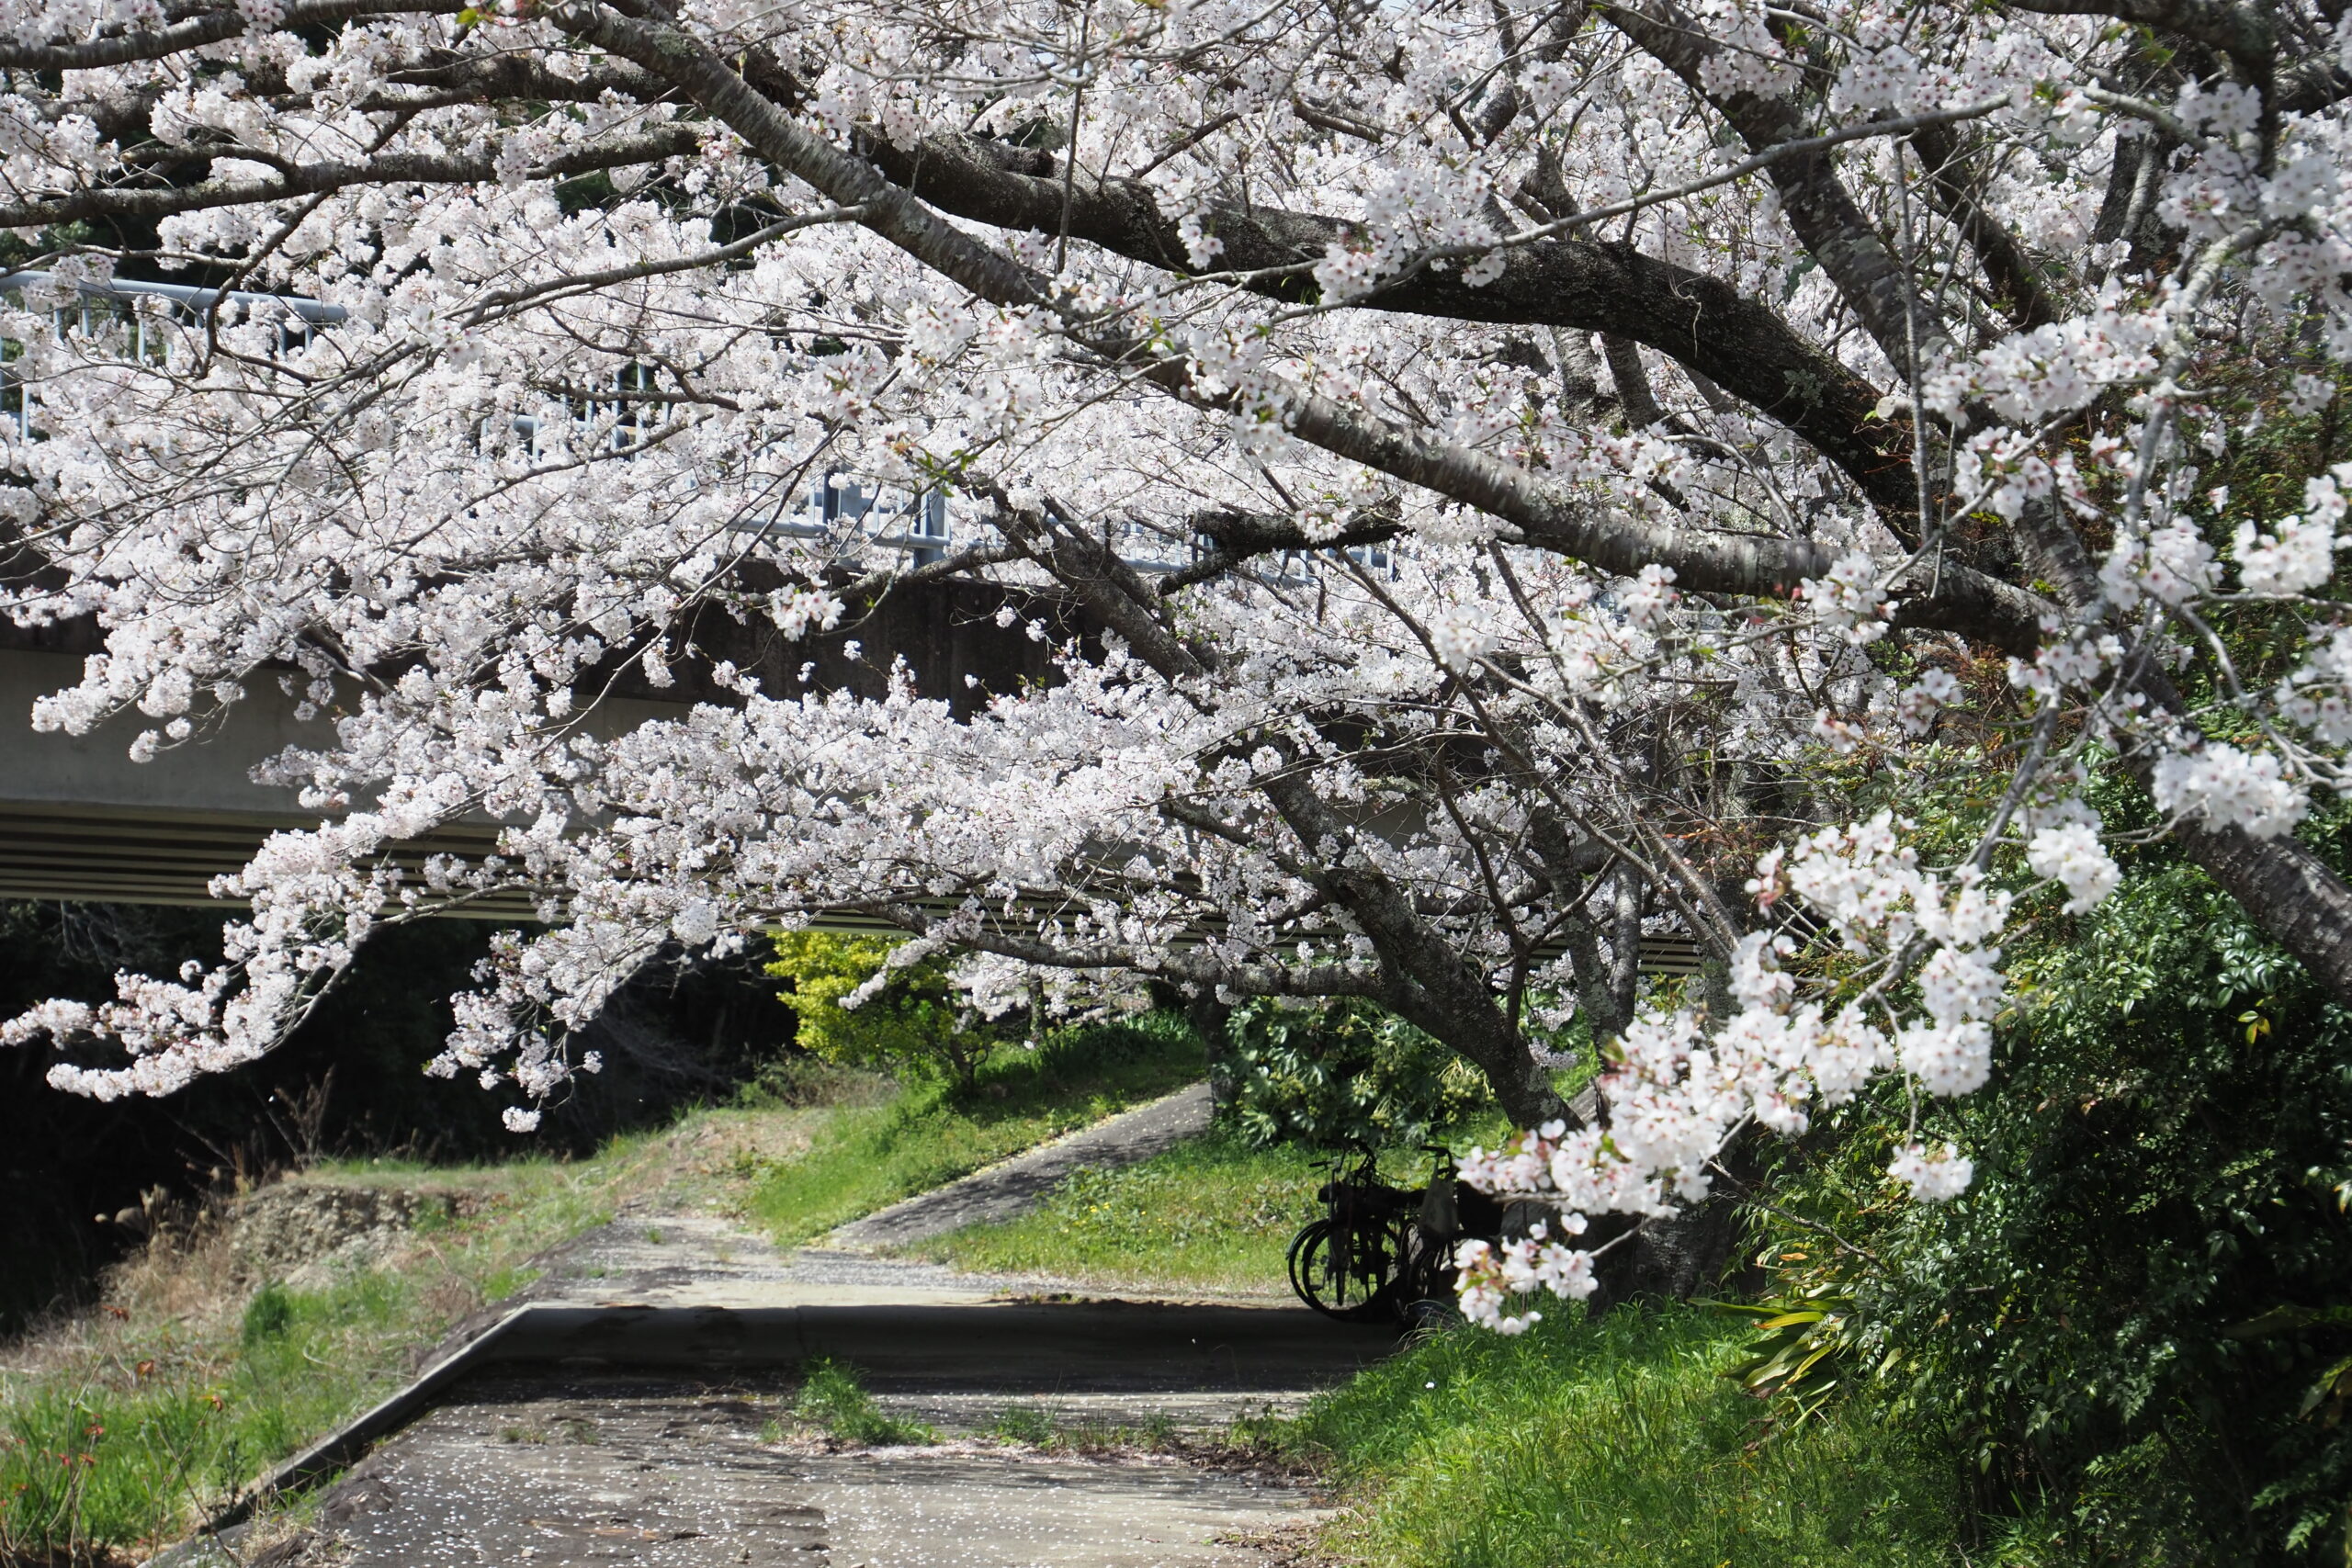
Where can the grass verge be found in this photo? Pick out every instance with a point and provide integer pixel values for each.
(1614, 1442)
(1213, 1214)
(866, 1158)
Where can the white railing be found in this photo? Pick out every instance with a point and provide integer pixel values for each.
(191, 300)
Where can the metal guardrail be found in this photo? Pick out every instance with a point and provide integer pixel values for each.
(317, 312)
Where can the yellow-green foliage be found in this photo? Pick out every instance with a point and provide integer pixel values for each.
(913, 1022)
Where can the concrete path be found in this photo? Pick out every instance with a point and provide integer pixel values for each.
(664, 1437)
(1014, 1186)
(639, 1410)
(679, 1478)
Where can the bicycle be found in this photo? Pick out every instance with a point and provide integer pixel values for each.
(1346, 1264)
(1383, 1251)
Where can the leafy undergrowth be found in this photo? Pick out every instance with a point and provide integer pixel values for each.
(121, 1427)
(866, 1157)
(1615, 1442)
(1213, 1214)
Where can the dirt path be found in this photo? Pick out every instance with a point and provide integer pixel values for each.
(639, 1411)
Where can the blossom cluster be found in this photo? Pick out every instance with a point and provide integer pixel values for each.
(1677, 1087)
(556, 515)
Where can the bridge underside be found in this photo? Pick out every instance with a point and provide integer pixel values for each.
(104, 854)
(115, 856)
(79, 821)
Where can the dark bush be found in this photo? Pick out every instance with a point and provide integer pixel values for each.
(1343, 1073)
(2134, 1324)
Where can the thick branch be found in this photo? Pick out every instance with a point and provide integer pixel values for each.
(1869, 277)
(1547, 517)
(2242, 32)
(1576, 285)
(1953, 187)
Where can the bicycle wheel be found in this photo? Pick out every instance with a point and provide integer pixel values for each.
(1352, 1282)
(1424, 1291)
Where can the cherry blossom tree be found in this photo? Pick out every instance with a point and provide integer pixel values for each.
(1509, 456)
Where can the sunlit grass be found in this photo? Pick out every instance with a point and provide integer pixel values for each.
(866, 1158)
(1616, 1443)
(1212, 1212)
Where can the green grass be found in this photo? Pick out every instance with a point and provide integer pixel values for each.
(1616, 1444)
(831, 1397)
(1034, 1427)
(1212, 1212)
(95, 1458)
(866, 1157)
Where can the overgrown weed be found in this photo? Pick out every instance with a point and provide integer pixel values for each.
(833, 1398)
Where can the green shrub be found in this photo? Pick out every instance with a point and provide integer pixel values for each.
(914, 1022)
(1343, 1073)
(2133, 1322)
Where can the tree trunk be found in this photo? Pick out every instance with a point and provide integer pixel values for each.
(1687, 1254)
(1209, 1018)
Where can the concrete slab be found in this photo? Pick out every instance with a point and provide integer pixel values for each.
(708, 1260)
(594, 1475)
